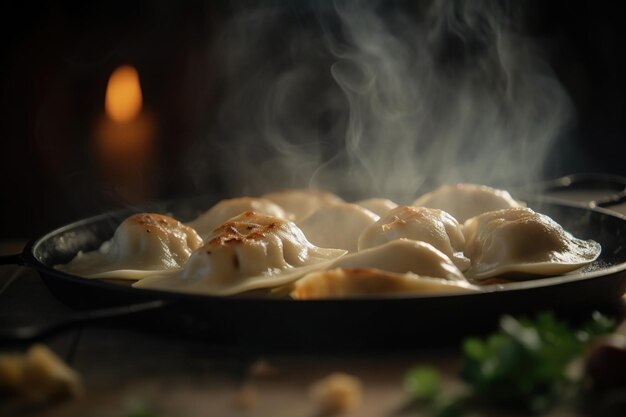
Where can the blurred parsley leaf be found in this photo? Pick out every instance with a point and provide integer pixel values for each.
(139, 409)
(423, 383)
(524, 365)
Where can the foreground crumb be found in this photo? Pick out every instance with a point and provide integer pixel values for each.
(263, 369)
(246, 397)
(38, 375)
(337, 393)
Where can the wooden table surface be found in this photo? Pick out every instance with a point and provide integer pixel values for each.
(125, 367)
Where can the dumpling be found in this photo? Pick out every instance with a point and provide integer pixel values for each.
(229, 208)
(142, 243)
(248, 252)
(337, 225)
(520, 241)
(343, 283)
(401, 256)
(379, 206)
(302, 202)
(419, 223)
(464, 201)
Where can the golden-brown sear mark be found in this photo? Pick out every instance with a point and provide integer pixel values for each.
(235, 232)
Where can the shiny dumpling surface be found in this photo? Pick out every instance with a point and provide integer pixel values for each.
(302, 202)
(343, 283)
(521, 241)
(142, 243)
(432, 226)
(402, 256)
(337, 225)
(248, 252)
(464, 201)
(379, 206)
(228, 208)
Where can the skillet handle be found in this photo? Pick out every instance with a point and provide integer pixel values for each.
(12, 259)
(591, 181)
(43, 328)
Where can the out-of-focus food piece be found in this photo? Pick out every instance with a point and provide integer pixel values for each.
(47, 376)
(530, 364)
(379, 206)
(11, 372)
(423, 383)
(302, 202)
(402, 256)
(142, 243)
(605, 363)
(464, 201)
(248, 252)
(343, 283)
(519, 241)
(337, 225)
(337, 393)
(38, 376)
(262, 369)
(424, 224)
(247, 396)
(229, 208)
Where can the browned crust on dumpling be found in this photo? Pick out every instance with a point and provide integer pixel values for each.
(236, 231)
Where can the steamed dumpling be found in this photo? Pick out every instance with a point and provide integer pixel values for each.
(402, 256)
(248, 252)
(419, 223)
(379, 206)
(464, 201)
(342, 283)
(337, 225)
(142, 243)
(519, 241)
(302, 202)
(226, 209)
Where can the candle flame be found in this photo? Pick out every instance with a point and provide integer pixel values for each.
(123, 98)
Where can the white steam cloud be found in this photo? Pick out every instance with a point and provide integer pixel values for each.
(365, 100)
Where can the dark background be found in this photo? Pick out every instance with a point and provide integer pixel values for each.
(59, 56)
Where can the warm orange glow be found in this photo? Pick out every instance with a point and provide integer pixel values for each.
(123, 98)
(124, 141)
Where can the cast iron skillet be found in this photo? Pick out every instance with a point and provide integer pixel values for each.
(360, 322)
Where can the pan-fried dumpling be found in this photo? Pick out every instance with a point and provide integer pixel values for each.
(302, 202)
(248, 252)
(402, 256)
(343, 283)
(464, 201)
(337, 225)
(419, 223)
(142, 243)
(229, 208)
(519, 241)
(379, 206)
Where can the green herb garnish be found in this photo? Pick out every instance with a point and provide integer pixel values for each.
(139, 409)
(525, 365)
(423, 383)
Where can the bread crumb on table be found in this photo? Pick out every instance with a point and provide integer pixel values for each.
(337, 393)
(38, 375)
(246, 397)
(263, 369)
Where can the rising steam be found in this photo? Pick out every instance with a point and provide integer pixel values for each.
(365, 100)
